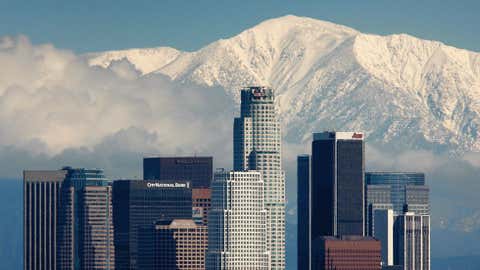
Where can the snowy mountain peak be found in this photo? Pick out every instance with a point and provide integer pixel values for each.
(396, 88)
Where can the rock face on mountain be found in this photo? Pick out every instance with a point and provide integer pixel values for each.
(400, 90)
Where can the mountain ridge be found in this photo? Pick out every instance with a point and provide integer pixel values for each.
(397, 88)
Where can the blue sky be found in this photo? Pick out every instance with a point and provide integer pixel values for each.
(188, 25)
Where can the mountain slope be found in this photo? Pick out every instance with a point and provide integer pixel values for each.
(399, 89)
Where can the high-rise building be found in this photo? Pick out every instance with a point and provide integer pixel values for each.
(303, 213)
(236, 224)
(383, 231)
(41, 194)
(412, 241)
(85, 224)
(201, 204)
(337, 191)
(180, 244)
(257, 146)
(141, 204)
(346, 253)
(197, 170)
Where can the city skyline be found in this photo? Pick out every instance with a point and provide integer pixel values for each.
(333, 66)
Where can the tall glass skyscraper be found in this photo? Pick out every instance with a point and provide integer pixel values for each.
(236, 223)
(257, 146)
(85, 223)
(337, 191)
(303, 213)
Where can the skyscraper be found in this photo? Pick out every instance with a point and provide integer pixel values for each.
(412, 241)
(197, 170)
(303, 213)
(139, 205)
(257, 146)
(337, 191)
(85, 225)
(383, 231)
(236, 224)
(41, 197)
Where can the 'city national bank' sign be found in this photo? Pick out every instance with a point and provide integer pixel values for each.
(168, 185)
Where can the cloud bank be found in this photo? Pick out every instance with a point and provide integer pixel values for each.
(55, 108)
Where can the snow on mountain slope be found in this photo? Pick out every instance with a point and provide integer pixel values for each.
(145, 60)
(399, 89)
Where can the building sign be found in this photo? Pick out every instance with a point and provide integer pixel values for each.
(168, 185)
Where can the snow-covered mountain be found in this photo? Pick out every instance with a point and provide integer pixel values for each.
(399, 89)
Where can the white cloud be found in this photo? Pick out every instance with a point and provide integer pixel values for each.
(52, 102)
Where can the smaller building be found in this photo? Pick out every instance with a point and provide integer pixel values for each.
(346, 253)
(412, 241)
(181, 244)
(383, 231)
(178, 244)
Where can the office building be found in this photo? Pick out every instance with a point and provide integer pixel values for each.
(85, 224)
(236, 224)
(412, 241)
(201, 204)
(180, 244)
(139, 204)
(383, 231)
(405, 188)
(257, 146)
(346, 253)
(41, 194)
(400, 191)
(196, 170)
(303, 212)
(338, 167)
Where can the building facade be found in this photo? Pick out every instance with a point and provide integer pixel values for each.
(41, 197)
(138, 205)
(85, 228)
(257, 146)
(412, 241)
(337, 171)
(383, 231)
(404, 188)
(400, 193)
(196, 170)
(346, 253)
(180, 244)
(303, 213)
(236, 224)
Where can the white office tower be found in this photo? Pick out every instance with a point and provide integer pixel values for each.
(382, 230)
(412, 241)
(236, 223)
(257, 146)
